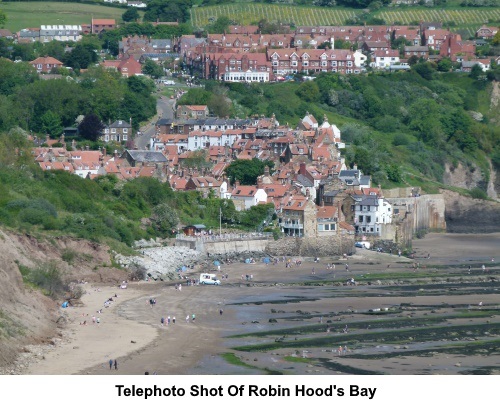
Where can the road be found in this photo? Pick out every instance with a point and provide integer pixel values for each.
(165, 109)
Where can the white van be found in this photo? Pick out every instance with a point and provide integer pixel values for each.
(207, 278)
(168, 82)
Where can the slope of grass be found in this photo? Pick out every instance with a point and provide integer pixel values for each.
(33, 14)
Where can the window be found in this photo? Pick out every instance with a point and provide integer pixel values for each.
(360, 218)
(368, 218)
(113, 130)
(125, 130)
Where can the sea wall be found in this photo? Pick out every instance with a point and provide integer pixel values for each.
(312, 247)
(287, 246)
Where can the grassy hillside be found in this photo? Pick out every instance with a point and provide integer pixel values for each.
(33, 14)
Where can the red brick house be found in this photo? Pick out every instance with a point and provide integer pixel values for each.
(127, 67)
(102, 24)
(456, 49)
(45, 64)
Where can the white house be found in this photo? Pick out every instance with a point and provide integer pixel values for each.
(371, 213)
(248, 76)
(245, 197)
(204, 139)
(384, 58)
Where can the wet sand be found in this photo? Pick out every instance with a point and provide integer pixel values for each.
(130, 330)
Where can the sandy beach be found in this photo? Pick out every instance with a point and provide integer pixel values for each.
(130, 330)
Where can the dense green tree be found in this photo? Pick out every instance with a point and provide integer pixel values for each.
(424, 69)
(165, 218)
(51, 123)
(220, 26)
(476, 71)
(445, 65)
(308, 91)
(245, 171)
(163, 10)
(81, 56)
(3, 18)
(130, 15)
(14, 75)
(195, 96)
(91, 127)
(151, 68)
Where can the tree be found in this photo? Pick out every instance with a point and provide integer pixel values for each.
(91, 127)
(3, 18)
(445, 65)
(130, 15)
(245, 171)
(164, 10)
(476, 71)
(152, 69)
(51, 123)
(81, 56)
(165, 218)
(220, 26)
(424, 69)
(308, 91)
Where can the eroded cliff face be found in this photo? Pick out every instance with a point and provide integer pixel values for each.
(467, 177)
(470, 177)
(26, 315)
(469, 215)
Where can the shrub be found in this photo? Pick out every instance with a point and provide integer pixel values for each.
(68, 255)
(48, 277)
(478, 193)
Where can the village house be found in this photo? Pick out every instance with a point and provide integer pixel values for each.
(486, 32)
(144, 158)
(127, 66)
(383, 59)
(46, 64)
(484, 64)
(421, 51)
(371, 214)
(205, 185)
(289, 61)
(99, 25)
(118, 131)
(245, 197)
(297, 216)
(192, 111)
(456, 49)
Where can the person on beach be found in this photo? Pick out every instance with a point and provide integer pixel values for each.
(187, 318)
(173, 319)
(116, 365)
(110, 364)
(162, 321)
(221, 311)
(168, 320)
(193, 317)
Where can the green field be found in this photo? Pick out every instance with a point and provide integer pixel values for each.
(33, 14)
(468, 19)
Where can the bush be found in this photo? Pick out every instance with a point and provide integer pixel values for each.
(68, 255)
(478, 193)
(48, 277)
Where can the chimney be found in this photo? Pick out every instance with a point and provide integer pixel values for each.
(237, 183)
(302, 169)
(266, 170)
